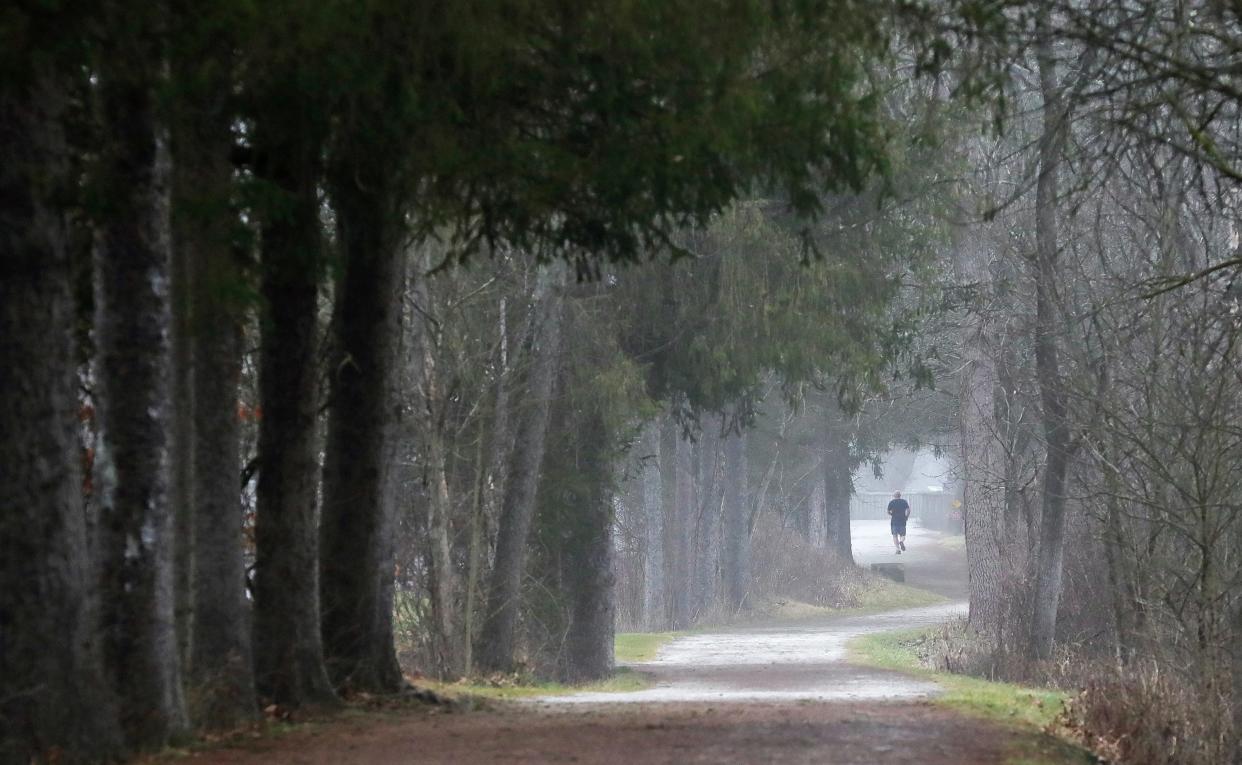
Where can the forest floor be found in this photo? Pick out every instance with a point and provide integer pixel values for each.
(784, 692)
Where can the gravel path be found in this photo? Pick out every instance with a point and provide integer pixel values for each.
(803, 661)
(779, 694)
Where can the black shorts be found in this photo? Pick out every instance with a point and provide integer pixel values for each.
(898, 527)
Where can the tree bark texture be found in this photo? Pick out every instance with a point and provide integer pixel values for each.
(443, 573)
(132, 469)
(1017, 524)
(1235, 678)
(587, 562)
(706, 528)
(221, 663)
(981, 453)
(496, 639)
(838, 487)
(53, 692)
(357, 528)
(1052, 394)
(181, 445)
(287, 644)
(653, 526)
(500, 448)
(677, 528)
(801, 515)
(735, 525)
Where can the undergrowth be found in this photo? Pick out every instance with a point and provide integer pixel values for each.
(1131, 713)
(1036, 713)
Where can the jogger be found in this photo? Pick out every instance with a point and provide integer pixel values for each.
(899, 511)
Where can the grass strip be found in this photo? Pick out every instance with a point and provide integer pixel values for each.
(1030, 712)
(642, 646)
(1003, 702)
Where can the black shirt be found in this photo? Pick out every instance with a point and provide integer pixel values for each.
(899, 509)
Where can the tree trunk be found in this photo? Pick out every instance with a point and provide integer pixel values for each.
(735, 531)
(705, 529)
(670, 434)
(1047, 364)
(838, 487)
(181, 444)
(981, 454)
(801, 516)
(496, 639)
(53, 695)
(589, 644)
(356, 532)
(474, 560)
(588, 566)
(221, 663)
(1235, 677)
(288, 648)
(446, 645)
(677, 530)
(491, 480)
(1016, 523)
(443, 573)
(653, 517)
(132, 327)
(1120, 582)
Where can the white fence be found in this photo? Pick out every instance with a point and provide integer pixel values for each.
(935, 510)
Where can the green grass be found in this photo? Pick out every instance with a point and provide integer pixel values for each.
(886, 595)
(641, 646)
(1003, 702)
(1029, 712)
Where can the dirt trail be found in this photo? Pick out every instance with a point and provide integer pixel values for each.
(780, 694)
(902, 733)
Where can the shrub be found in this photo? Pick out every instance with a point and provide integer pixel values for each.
(786, 566)
(1149, 716)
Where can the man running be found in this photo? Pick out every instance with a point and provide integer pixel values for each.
(899, 510)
